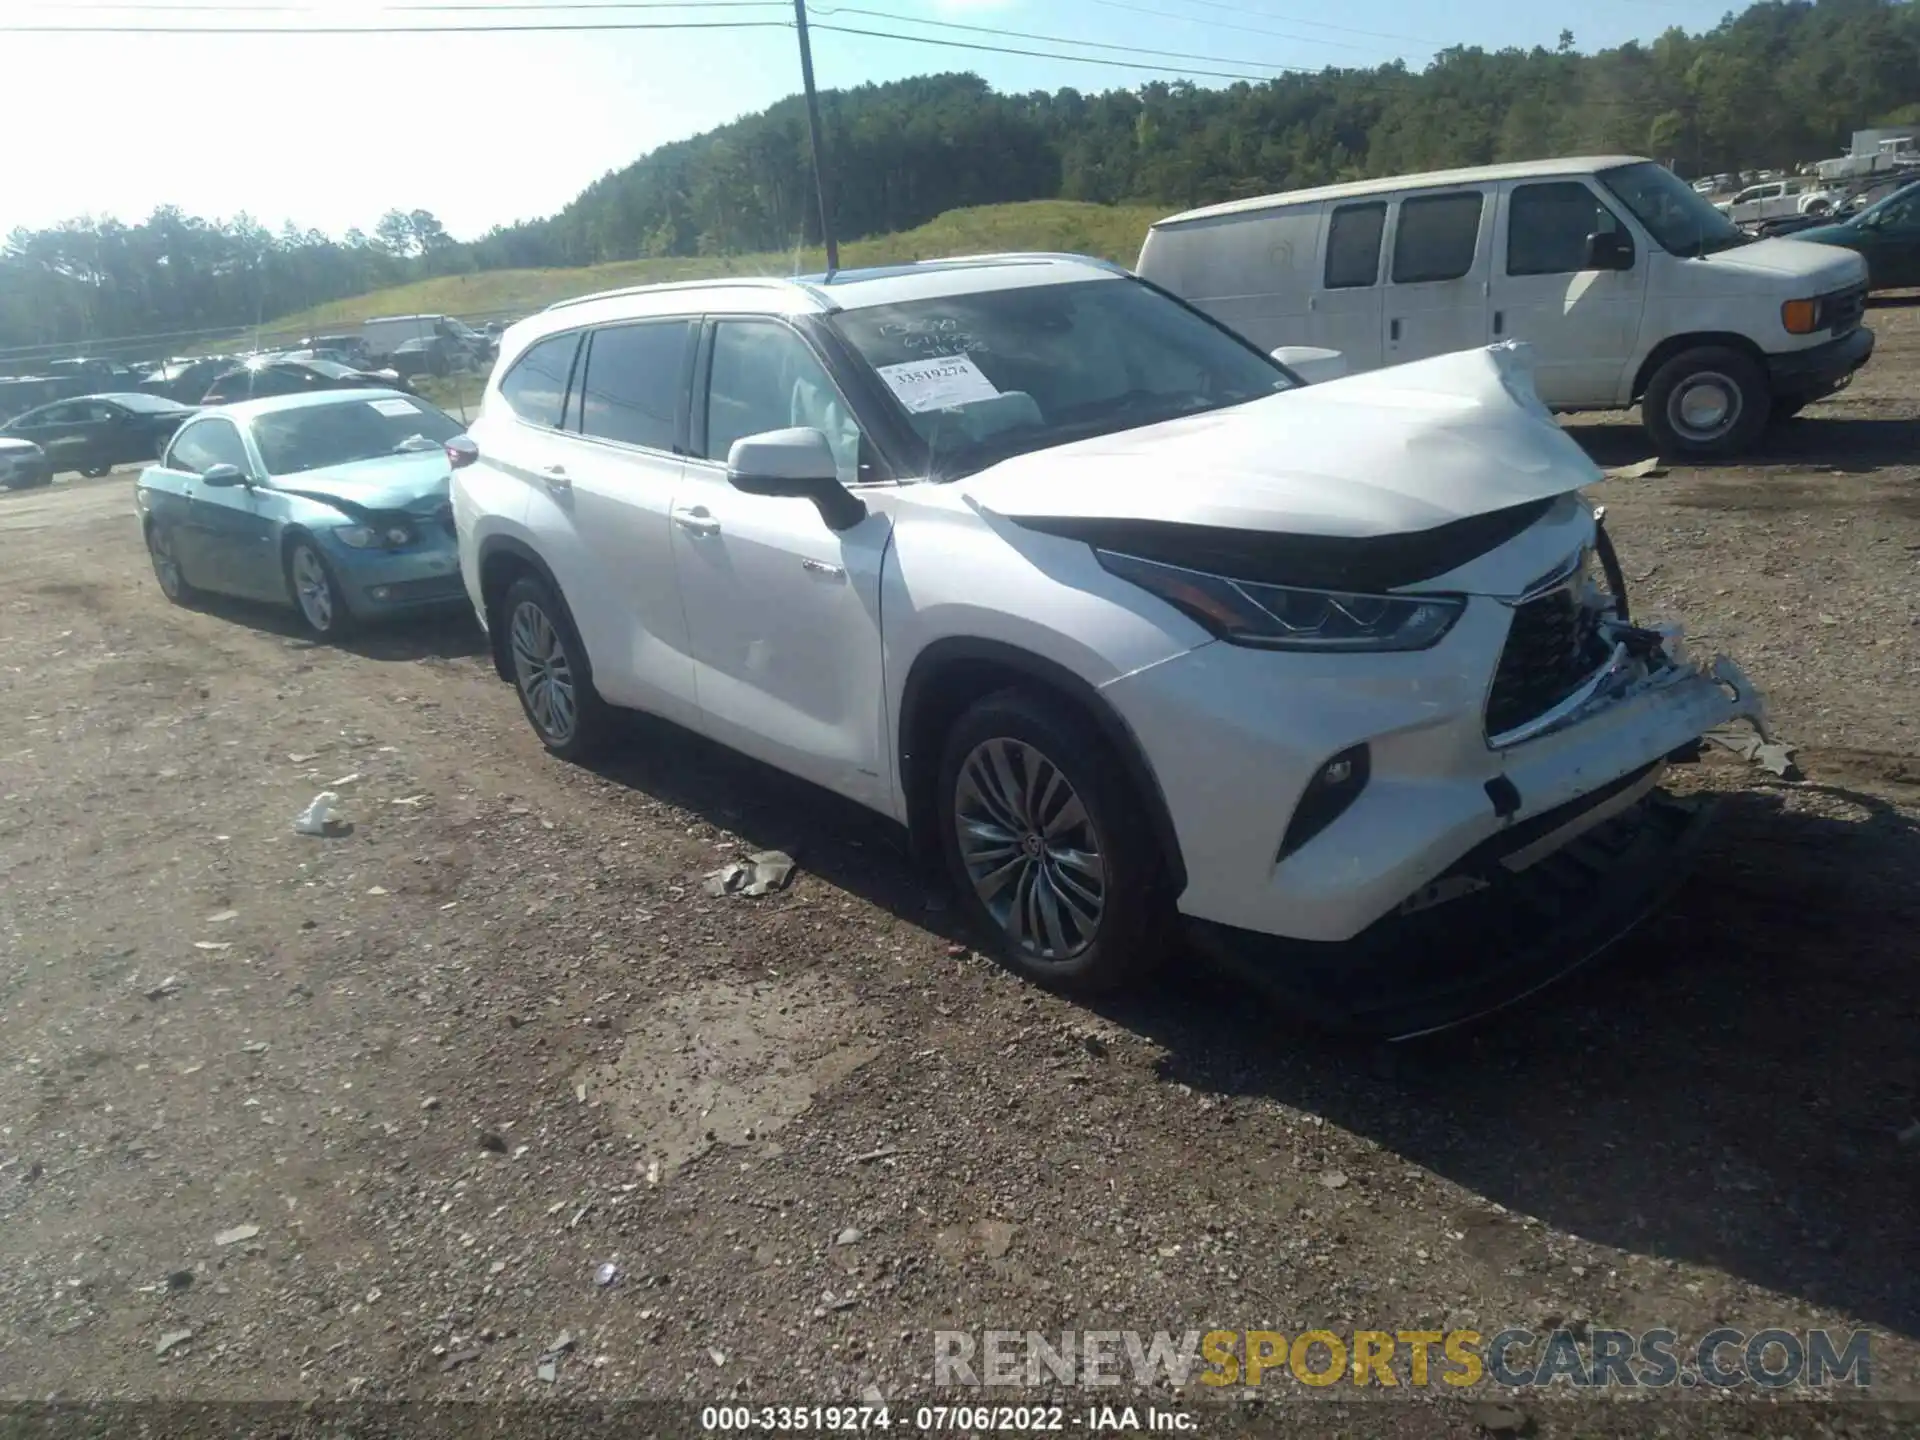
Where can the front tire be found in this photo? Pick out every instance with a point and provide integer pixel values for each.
(94, 472)
(317, 598)
(1709, 401)
(1045, 845)
(550, 673)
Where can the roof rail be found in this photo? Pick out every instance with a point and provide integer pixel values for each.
(768, 281)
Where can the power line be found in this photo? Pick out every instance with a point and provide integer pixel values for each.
(582, 27)
(1316, 24)
(1039, 54)
(1259, 30)
(1051, 39)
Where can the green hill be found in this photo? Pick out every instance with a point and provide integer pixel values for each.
(1113, 232)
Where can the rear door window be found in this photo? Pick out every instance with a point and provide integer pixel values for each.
(535, 389)
(1353, 245)
(1436, 237)
(634, 377)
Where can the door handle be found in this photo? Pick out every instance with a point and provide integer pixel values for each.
(556, 479)
(1393, 330)
(696, 522)
(1499, 321)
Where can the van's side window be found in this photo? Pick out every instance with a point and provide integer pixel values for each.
(1353, 245)
(632, 388)
(1548, 226)
(1436, 237)
(537, 384)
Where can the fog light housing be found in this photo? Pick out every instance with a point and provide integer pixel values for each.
(1334, 787)
(380, 592)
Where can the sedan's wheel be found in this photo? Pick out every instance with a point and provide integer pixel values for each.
(1710, 401)
(166, 565)
(316, 594)
(1044, 843)
(94, 472)
(550, 672)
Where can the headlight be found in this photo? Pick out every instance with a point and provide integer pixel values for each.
(1285, 617)
(365, 537)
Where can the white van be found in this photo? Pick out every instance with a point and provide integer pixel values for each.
(385, 334)
(1630, 287)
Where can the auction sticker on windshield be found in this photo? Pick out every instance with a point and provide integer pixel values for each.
(938, 384)
(395, 407)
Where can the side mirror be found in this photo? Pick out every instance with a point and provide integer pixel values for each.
(797, 463)
(1311, 363)
(462, 452)
(223, 477)
(1608, 250)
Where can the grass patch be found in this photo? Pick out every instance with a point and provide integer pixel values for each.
(1109, 231)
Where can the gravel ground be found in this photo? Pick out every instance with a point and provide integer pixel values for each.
(308, 1119)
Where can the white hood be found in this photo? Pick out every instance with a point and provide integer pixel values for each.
(1820, 267)
(13, 445)
(1388, 452)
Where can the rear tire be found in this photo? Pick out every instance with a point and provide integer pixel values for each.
(1709, 401)
(94, 472)
(166, 567)
(1045, 844)
(550, 673)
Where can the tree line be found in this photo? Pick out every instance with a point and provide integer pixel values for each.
(1782, 82)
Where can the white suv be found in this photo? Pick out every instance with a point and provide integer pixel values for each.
(1121, 620)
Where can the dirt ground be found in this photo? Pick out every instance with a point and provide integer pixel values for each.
(445, 1067)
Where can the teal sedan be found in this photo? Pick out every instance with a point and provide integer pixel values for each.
(335, 503)
(1887, 235)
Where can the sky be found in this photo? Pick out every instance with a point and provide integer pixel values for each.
(331, 131)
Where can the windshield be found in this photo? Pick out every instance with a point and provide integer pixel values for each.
(1675, 214)
(1892, 206)
(996, 373)
(312, 437)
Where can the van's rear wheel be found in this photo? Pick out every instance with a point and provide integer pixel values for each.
(1705, 402)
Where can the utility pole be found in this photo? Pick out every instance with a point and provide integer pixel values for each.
(813, 137)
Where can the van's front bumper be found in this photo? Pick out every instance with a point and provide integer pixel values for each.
(1475, 838)
(1820, 369)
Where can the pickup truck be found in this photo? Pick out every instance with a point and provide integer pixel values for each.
(1775, 200)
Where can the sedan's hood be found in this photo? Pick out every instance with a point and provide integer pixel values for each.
(1845, 235)
(419, 483)
(1820, 266)
(1388, 452)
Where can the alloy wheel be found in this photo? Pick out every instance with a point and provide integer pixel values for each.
(1030, 849)
(313, 588)
(543, 673)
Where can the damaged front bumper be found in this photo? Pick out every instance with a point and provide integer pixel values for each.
(1563, 879)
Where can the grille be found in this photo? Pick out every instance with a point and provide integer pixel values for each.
(438, 587)
(1552, 647)
(1843, 309)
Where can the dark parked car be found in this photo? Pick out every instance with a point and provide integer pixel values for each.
(1887, 236)
(94, 433)
(352, 349)
(260, 380)
(20, 393)
(429, 355)
(187, 380)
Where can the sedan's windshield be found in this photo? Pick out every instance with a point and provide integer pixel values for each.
(994, 373)
(1678, 217)
(313, 437)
